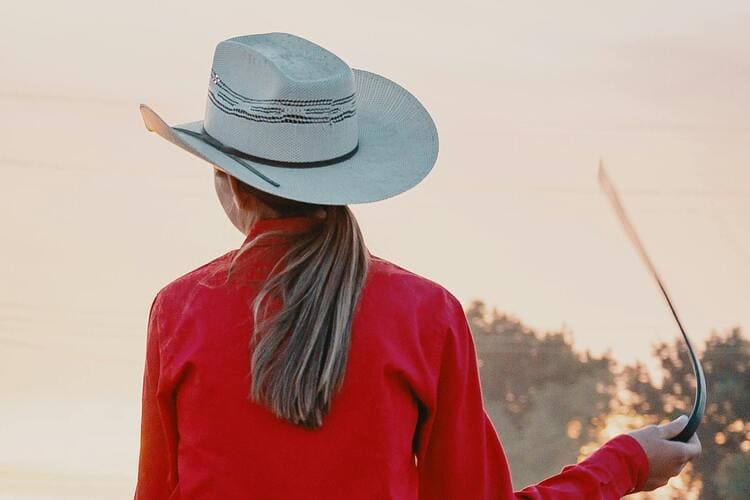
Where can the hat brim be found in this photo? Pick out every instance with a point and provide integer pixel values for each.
(398, 146)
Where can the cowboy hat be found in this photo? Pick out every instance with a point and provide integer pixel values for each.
(292, 119)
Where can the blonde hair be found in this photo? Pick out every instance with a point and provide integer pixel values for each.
(299, 354)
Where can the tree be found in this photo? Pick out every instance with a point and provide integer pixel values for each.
(545, 399)
(734, 477)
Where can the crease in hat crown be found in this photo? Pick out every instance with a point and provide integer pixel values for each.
(281, 97)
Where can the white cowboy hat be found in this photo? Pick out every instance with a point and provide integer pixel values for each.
(292, 119)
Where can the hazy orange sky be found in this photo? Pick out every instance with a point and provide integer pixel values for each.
(98, 214)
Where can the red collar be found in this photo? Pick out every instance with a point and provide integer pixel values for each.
(291, 224)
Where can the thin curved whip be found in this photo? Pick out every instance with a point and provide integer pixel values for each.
(700, 381)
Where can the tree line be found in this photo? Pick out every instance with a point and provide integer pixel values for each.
(552, 403)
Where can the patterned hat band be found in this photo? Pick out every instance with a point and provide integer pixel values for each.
(281, 131)
(280, 110)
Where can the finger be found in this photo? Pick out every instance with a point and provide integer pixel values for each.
(676, 452)
(682, 453)
(693, 447)
(673, 428)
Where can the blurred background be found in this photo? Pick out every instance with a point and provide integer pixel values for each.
(98, 214)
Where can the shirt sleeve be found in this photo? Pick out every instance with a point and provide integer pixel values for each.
(617, 468)
(157, 464)
(459, 454)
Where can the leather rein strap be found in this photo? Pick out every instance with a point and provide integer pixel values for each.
(700, 381)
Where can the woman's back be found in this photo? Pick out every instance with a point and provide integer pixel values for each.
(216, 443)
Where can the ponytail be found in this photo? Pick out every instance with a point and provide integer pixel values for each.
(299, 354)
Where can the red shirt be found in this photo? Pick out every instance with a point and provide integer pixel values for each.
(409, 422)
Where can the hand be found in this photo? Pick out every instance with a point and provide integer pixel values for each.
(665, 458)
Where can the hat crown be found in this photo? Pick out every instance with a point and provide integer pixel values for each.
(281, 97)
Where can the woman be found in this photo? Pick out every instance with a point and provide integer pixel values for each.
(302, 366)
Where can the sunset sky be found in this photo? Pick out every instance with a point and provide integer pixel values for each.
(98, 213)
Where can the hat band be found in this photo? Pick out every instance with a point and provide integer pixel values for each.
(238, 155)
